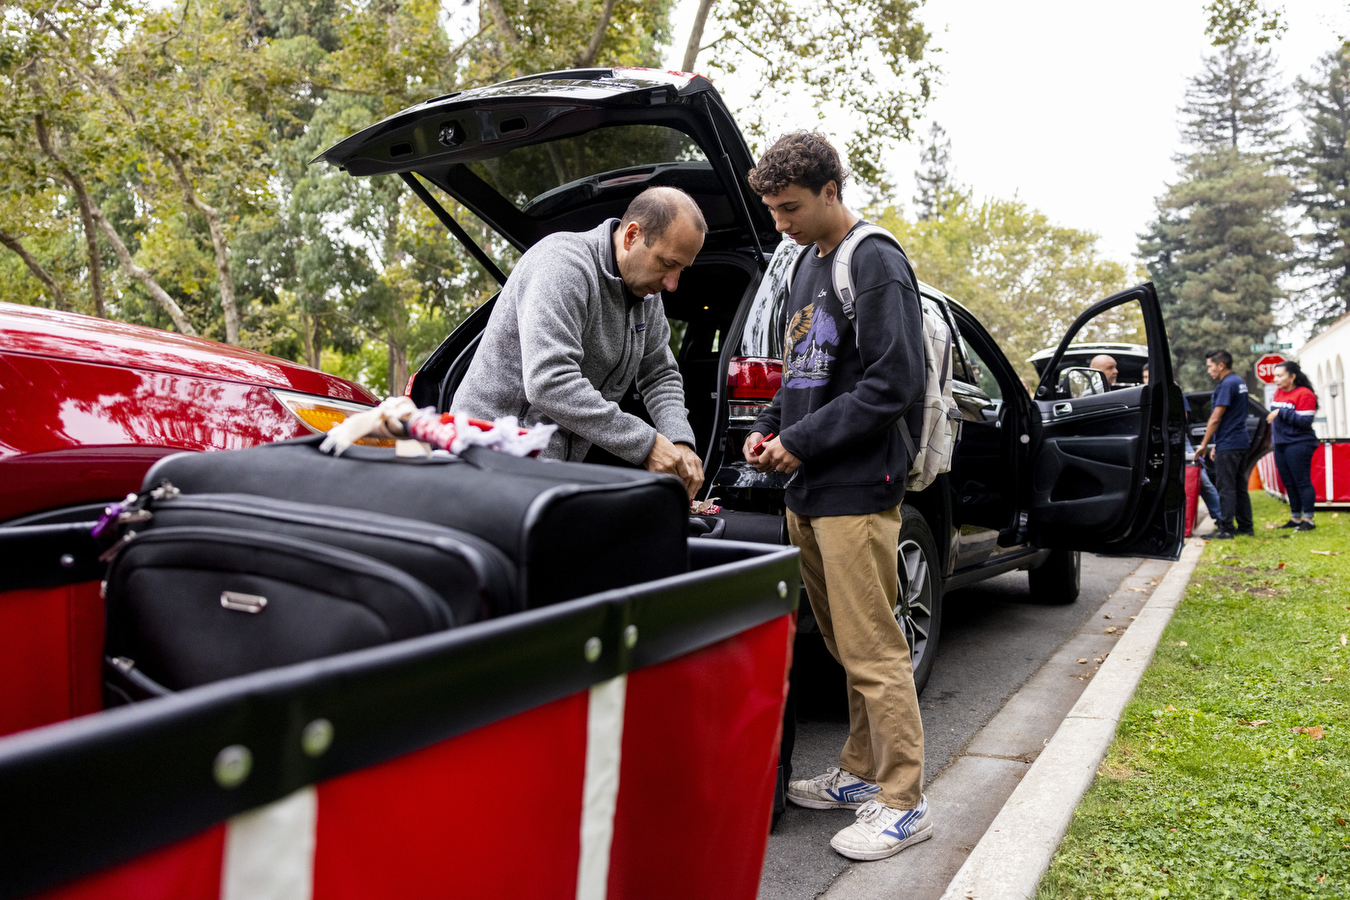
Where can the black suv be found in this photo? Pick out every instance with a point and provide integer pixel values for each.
(1035, 481)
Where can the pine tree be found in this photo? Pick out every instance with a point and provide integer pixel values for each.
(1235, 103)
(1220, 242)
(1324, 161)
(933, 181)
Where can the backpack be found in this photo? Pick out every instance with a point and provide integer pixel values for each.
(941, 423)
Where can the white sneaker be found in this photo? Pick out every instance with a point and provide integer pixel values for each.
(836, 789)
(881, 831)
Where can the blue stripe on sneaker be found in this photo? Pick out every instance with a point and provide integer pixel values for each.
(904, 826)
(857, 792)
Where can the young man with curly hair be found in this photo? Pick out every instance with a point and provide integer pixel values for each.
(850, 384)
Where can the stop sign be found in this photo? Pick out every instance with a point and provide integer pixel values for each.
(1265, 367)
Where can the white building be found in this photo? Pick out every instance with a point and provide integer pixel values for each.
(1325, 359)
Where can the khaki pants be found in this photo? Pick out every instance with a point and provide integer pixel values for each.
(849, 566)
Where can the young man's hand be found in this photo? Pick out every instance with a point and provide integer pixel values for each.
(772, 457)
(678, 460)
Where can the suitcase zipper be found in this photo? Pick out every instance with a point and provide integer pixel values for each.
(484, 556)
(437, 611)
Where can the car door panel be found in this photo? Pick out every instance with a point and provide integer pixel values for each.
(1107, 468)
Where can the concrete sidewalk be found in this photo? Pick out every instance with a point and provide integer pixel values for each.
(977, 790)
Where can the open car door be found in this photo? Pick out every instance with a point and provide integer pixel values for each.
(1107, 458)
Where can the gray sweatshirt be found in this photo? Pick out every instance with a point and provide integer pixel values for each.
(565, 341)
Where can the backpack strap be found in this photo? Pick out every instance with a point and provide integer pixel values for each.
(843, 263)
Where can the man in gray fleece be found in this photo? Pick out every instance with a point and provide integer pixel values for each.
(579, 320)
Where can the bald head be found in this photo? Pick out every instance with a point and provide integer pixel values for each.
(657, 208)
(657, 239)
(1107, 366)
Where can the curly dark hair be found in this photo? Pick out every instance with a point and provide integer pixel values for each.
(804, 158)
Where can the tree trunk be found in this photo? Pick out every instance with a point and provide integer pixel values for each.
(91, 245)
(499, 14)
(696, 36)
(157, 293)
(398, 367)
(227, 295)
(58, 295)
(587, 58)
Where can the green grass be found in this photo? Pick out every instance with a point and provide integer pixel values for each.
(1193, 802)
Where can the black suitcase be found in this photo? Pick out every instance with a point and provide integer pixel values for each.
(190, 605)
(474, 578)
(570, 529)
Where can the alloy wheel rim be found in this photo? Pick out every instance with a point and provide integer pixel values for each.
(914, 600)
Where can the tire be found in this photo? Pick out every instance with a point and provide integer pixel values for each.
(1057, 579)
(918, 606)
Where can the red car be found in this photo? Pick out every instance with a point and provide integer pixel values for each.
(90, 404)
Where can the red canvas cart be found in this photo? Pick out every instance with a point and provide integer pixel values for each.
(1330, 474)
(584, 749)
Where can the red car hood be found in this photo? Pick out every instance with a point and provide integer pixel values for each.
(42, 332)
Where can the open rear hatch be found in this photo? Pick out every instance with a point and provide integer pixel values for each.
(563, 151)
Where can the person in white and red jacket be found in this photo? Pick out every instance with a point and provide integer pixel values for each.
(1292, 437)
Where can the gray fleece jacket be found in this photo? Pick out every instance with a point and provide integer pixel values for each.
(565, 341)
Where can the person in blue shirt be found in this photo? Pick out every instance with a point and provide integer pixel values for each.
(1227, 428)
(1207, 490)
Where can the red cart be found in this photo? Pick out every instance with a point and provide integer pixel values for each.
(621, 745)
(1330, 474)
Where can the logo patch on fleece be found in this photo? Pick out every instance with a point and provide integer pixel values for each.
(641, 326)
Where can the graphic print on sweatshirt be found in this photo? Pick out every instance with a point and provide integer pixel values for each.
(812, 340)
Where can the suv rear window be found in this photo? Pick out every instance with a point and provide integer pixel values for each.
(540, 176)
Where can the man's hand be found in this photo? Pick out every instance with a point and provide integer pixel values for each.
(772, 457)
(678, 460)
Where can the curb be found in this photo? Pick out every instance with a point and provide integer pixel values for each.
(1013, 854)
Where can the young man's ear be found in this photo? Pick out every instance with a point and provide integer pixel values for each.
(830, 192)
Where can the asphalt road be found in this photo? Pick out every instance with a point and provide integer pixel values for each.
(993, 637)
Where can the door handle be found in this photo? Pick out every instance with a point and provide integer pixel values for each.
(1063, 409)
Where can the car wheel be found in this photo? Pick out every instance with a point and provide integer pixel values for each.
(1058, 578)
(918, 606)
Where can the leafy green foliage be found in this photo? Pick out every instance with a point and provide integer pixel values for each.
(1221, 241)
(865, 59)
(1209, 791)
(1024, 277)
(1232, 20)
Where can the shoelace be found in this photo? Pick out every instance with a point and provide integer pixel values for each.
(869, 811)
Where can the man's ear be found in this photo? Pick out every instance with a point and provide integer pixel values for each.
(830, 192)
(631, 234)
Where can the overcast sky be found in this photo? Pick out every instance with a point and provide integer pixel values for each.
(1070, 105)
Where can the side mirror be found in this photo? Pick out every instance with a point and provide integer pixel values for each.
(1080, 382)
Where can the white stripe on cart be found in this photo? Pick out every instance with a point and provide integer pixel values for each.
(269, 852)
(600, 791)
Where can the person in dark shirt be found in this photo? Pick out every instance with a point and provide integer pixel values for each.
(1291, 420)
(1227, 428)
(849, 385)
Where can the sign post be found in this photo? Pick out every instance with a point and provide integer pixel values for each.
(1265, 367)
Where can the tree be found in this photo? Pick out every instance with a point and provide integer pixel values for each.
(1232, 20)
(1023, 276)
(933, 182)
(865, 60)
(1234, 102)
(1220, 243)
(1324, 160)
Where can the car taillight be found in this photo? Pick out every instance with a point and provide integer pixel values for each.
(751, 384)
(321, 414)
(407, 391)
